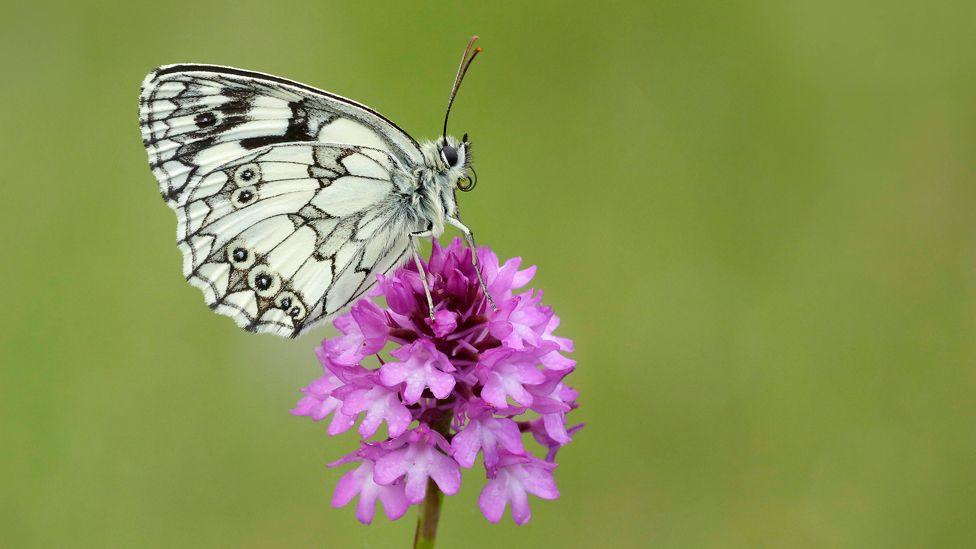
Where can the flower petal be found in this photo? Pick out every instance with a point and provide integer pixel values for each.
(492, 500)
(521, 513)
(394, 501)
(366, 507)
(394, 373)
(440, 383)
(540, 482)
(446, 473)
(346, 489)
(415, 488)
(390, 467)
(467, 443)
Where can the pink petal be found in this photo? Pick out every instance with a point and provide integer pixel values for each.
(519, 394)
(413, 391)
(500, 330)
(556, 427)
(467, 443)
(367, 506)
(456, 284)
(369, 425)
(530, 375)
(346, 489)
(355, 402)
(446, 473)
(340, 423)
(394, 501)
(400, 298)
(507, 273)
(556, 361)
(444, 322)
(393, 373)
(389, 467)
(416, 488)
(493, 393)
(540, 482)
(492, 500)
(523, 277)
(398, 420)
(507, 432)
(520, 505)
(440, 383)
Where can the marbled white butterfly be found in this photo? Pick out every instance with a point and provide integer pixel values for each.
(289, 199)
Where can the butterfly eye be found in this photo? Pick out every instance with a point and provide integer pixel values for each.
(449, 155)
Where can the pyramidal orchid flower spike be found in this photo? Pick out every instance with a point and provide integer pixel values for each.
(469, 382)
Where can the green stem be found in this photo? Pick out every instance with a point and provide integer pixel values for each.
(430, 512)
(430, 508)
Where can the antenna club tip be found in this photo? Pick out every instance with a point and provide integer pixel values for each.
(479, 49)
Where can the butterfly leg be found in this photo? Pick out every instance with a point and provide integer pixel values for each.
(469, 238)
(420, 267)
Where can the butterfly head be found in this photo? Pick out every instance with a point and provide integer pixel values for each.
(454, 161)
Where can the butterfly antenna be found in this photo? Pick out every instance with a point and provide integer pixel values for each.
(470, 53)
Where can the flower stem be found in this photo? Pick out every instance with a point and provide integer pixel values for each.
(430, 512)
(430, 508)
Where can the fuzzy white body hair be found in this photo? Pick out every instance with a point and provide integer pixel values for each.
(433, 186)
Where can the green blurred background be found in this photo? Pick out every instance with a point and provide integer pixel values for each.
(755, 219)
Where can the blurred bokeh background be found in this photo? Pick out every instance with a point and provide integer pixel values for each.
(756, 220)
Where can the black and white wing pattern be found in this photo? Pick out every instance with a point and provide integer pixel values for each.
(197, 117)
(288, 199)
(287, 235)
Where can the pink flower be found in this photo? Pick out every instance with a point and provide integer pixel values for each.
(364, 333)
(502, 280)
(415, 457)
(422, 366)
(515, 477)
(506, 373)
(540, 432)
(444, 322)
(485, 433)
(469, 375)
(379, 403)
(359, 481)
(526, 321)
(318, 403)
(552, 400)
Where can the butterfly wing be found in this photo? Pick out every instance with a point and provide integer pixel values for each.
(286, 195)
(197, 117)
(289, 234)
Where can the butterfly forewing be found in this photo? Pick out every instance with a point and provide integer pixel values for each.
(195, 117)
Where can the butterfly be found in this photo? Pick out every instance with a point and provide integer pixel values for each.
(289, 199)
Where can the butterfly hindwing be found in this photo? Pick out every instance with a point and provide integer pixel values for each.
(197, 117)
(289, 234)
